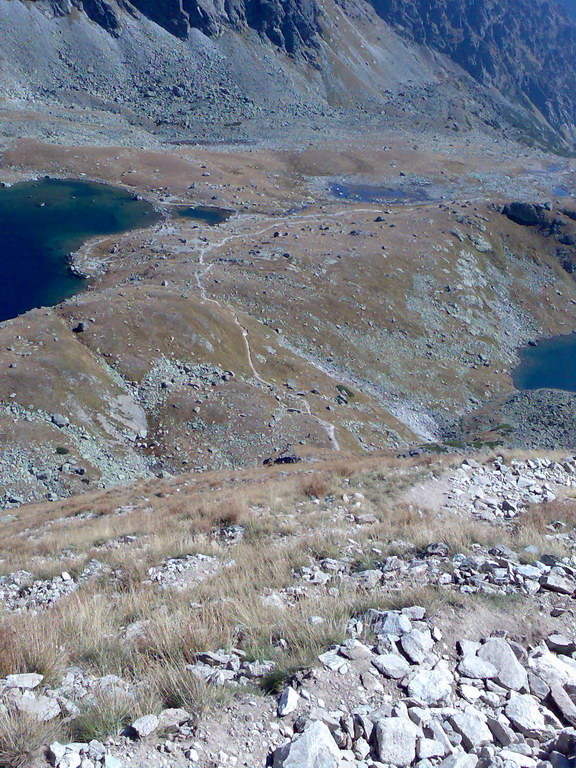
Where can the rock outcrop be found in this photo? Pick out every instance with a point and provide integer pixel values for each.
(290, 24)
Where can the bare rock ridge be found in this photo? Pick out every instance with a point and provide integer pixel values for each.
(290, 24)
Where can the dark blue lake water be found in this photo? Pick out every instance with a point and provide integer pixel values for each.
(550, 364)
(205, 213)
(41, 222)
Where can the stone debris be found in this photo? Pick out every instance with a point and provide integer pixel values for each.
(82, 755)
(19, 591)
(481, 702)
(314, 748)
(230, 668)
(500, 490)
(183, 572)
(429, 722)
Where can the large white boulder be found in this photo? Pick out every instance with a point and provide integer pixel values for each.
(314, 748)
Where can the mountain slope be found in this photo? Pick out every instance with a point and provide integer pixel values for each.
(181, 62)
(524, 49)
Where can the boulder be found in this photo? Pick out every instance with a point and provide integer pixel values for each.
(26, 682)
(56, 752)
(564, 704)
(548, 666)
(477, 668)
(112, 762)
(396, 740)
(417, 644)
(524, 713)
(42, 708)
(561, 643)
(428, 748)
(145, 725)
(70, 760)
(509, 672)
(459, 760)
(557, 581)
(288, 701)
(471, 725)
(314, 748)
(172, 719)
(431, 686)
(391, 665)
(388, 622)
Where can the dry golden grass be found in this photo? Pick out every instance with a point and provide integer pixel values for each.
(284, 530)
(23, 739)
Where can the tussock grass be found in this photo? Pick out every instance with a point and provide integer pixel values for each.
(24, 738)
(179, 687)
(109, 713)
(28, 645)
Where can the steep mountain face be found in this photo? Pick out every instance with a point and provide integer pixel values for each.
(519, 51)
(290, 24)
(526, 49)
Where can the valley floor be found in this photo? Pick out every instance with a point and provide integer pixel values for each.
(396, 587)
(304, 322)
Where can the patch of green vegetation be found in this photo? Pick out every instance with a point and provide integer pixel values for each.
(61, 451)
(346, 391)
(433, 448)
(504, 428)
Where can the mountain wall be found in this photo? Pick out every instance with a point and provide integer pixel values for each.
(524, 48)
(289, 24)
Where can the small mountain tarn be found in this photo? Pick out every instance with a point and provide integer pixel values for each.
(42, 222)
(548, 364)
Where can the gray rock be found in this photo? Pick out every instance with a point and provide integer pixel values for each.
(59, 420)
(563, 702)
(314, 748)
(417, 644)
(40, 707)
(391, 665)
(428, 748)
(334, 661)
(112, 762)
(145, 725)
(388, 622)
(557, 581)
(396, 740)
(431, 686)
(56, 752)
(70, 760)
(27, 681)
(523, 712)
(509, 672)
(561, 643)
(537, 686)
(459, 760)
(471, 725)
(171, 719)
(501, 731)
(288, 701)
(477, 668)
